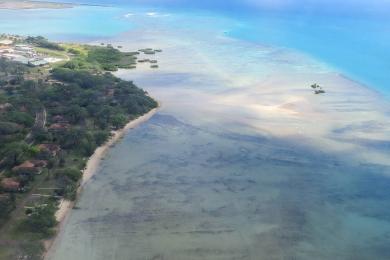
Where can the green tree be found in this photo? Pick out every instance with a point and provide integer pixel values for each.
(119, 120)
(15, 153)
(41, 220)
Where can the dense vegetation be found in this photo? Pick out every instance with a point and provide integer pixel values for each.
(51, 121)
(100, 58)
(111, 59)
(40, 41)
(40, 220)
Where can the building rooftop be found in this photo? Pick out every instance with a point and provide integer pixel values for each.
(32, 165)
(39, 62)
(10, 184)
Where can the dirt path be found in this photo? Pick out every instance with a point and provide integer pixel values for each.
(40, 123)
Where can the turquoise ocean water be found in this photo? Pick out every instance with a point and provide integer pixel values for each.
(353, 37)
(80, 23)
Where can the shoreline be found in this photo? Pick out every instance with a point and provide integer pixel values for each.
(65, 206)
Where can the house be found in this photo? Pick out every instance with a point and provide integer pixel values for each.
(51, 149)
(26, 167)
(39, 163)
(30, 167)
(10, 184)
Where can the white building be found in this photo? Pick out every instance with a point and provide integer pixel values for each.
(22, 47)
(17, 58)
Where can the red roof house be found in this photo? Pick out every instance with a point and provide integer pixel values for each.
(10, 184)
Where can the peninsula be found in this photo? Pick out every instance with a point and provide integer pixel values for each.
(20, 4)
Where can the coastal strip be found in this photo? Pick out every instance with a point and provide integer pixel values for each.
(61, 128)
(30, 5)
(94, 160)
(65, 206)
(18, 5)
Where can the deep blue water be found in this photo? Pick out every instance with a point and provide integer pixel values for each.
(359, 47)
(352, 36)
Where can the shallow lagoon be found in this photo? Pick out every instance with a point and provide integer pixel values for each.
(243, 161)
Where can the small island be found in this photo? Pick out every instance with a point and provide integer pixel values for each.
(317, 89)
(58, 104)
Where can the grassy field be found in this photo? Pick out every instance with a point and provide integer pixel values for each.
(53, 53)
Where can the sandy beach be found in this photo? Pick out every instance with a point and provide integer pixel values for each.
(94, 160)
(65, 206)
